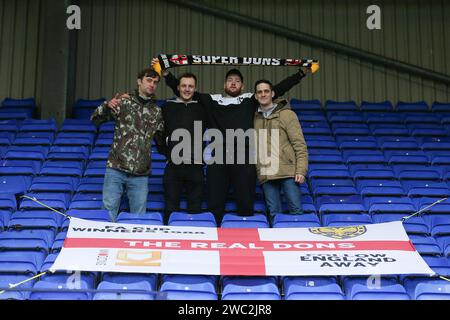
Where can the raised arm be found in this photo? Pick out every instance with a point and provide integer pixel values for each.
(287, 84)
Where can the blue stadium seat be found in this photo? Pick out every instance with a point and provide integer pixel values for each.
(379, 130)
(371, 171)
(328, 171)
(4, 218)
(59, 242)
(26, 240)
(440, 158)
(397, 143)
(310, 116)
(425, 245)
(363, 156)
(129, 291)
(20, 167)
(340, 204)
(250, 288)
(425, 188)
(107, 127)
(86, 201)
(373, 282)
(406, 157)
(26, 153)
(78, 125)
(123, 278)
(34, 139)
(394, 292)
(8, 202)
(205, 219)
(54, 184)
(440, 107)
(187, 288)
(38, 125)
(44, 219)
(74, 139)
(438, 225)
(68, 153)
(155, 202)
(6, 138)
(444, 243)
(331, 105)
(58, 201)
(95, 169)
(335, 190)
(414, 225)
(439, 208)
(414, 172)
(27, 105)
(303, 105)
(21, 262)
(322, 145)
(430, 291)
(82, 108)
(234, 221)
(371, 107)
(427, 130)
(14, 184)
(10, 114)
(343, 220)
(439, 265)
(62, 168)
(325, 292)
(380, 188)
(387, 205)
(150, 218)
(295, 221)
(9, 126)
(422, 118)
(419, 106)
(100, 153)
(49, 290)
(91, 185)
(410, 282)
(356, 142)
(94, 215)
(316, 129)
(386, 118)
(6, 280)
(345, 117)
(350, 129)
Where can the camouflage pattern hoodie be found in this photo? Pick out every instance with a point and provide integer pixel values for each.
(137, 122)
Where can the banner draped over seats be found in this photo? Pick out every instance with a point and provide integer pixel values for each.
(377, 249)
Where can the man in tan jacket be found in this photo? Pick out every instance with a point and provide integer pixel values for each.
(282, 159)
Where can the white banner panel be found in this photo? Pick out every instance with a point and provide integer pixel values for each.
(380, 249)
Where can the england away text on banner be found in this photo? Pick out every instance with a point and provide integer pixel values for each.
(358, 250)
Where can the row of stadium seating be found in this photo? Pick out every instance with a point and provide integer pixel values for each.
(25, 108)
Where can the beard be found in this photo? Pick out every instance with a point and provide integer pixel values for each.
(233, 93)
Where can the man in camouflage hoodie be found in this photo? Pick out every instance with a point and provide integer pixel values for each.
(137, 121)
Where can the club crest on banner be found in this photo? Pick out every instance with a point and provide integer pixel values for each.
(340, 232)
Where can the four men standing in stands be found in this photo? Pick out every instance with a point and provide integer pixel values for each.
(235, 110)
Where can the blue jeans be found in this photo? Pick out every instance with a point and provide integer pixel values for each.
(272, 194)
(114, 186)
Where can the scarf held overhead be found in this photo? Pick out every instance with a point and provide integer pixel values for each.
(167, 61)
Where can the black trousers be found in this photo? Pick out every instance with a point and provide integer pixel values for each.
(242, 177)
(178, 177)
